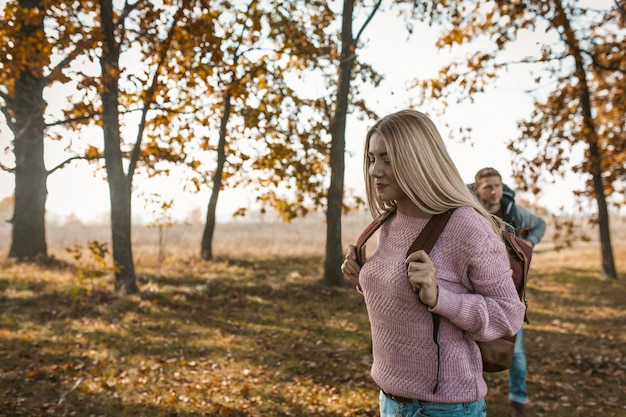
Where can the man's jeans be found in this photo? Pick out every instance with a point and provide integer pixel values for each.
(517, 372)
(391, 408)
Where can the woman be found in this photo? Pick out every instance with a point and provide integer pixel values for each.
(466, 279)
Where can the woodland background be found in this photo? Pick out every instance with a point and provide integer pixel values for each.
(222, 92)
(255, 319)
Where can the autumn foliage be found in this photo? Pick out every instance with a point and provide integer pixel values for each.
(578, 84)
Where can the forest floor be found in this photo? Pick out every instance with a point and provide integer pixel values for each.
(263, 337)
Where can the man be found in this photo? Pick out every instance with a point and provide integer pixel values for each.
(499, 200)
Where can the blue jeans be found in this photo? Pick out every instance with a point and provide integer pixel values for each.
(517, 372)
(391, 408)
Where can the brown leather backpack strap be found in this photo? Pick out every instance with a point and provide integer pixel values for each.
(429, 235)
(426, 240)
(368, 232)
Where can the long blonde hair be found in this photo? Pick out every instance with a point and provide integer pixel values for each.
(421, 166)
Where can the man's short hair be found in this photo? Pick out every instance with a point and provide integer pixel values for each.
(486, 172)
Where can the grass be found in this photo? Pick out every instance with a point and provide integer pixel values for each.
(256, 334)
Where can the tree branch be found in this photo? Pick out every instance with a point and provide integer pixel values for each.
(7, 169)
(7, 116)
(368, 20)
(128, 7)
(68, 160)
(73, 119)
(598, 64)
(80, 48)
(149, 97)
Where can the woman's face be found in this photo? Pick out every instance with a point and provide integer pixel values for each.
(387, 188)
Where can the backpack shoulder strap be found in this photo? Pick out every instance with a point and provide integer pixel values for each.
(429, 235)
(425, 240)
(369, 231)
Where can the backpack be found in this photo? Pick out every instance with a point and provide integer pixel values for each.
(497, 354)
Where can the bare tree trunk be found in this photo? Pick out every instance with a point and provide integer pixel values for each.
(28, 239)
(334, 253)
(119, 183)
(608, 263)
(206, 248)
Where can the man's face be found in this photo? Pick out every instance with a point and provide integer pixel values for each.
(489, 190)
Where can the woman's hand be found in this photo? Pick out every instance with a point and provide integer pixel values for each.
(421, 271)
(351, 267)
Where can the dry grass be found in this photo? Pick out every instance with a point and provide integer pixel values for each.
(303, 237)
(255, 334)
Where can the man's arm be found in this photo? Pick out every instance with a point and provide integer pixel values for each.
(530, 227)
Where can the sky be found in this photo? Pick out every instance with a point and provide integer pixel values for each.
(492, 117)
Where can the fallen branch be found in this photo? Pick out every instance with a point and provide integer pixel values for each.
(68, 392)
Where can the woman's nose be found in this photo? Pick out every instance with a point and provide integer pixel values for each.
(375, 170)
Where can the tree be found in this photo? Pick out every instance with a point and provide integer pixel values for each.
(24, 110)
(585, 63)
(239, 73)
(148, 34)
(119, 182)
(245, 112)
(76, 40)
(333, 254)
(30, 35)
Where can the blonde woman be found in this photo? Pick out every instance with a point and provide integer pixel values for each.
(466, 279)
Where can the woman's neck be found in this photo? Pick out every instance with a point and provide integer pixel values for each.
(411, 210)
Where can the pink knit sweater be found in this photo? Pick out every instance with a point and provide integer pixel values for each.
(477, 301)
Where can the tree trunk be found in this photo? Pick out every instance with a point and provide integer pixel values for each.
(28, 239)
(206, 248)
(119, 183)
(29, 233)
(334, 253)
(125, 279)
(608, 263)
